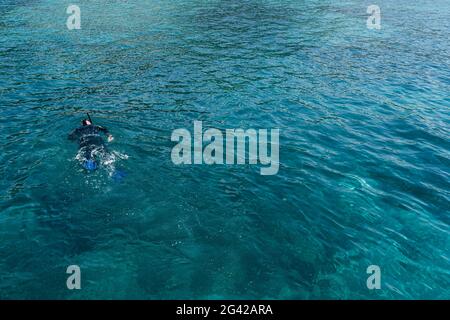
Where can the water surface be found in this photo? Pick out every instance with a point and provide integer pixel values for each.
(364, 149)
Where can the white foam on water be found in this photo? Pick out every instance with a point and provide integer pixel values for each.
(107, 159)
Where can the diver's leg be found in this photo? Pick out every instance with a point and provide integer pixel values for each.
(89, 162)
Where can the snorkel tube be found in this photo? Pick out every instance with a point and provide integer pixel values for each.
(89, 117)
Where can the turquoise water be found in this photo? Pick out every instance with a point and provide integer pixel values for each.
(364, 149)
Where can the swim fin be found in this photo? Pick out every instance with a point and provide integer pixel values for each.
(118, 175)
(90, 165)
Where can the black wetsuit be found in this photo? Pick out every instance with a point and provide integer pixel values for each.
(89, 139)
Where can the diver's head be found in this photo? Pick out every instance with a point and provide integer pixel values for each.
(86, 122)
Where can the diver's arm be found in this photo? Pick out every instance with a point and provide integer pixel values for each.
(73, 135)
(106, 132)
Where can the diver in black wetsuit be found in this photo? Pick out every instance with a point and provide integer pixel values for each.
(90, 142)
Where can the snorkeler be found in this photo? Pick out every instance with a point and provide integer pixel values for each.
(90, 142)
